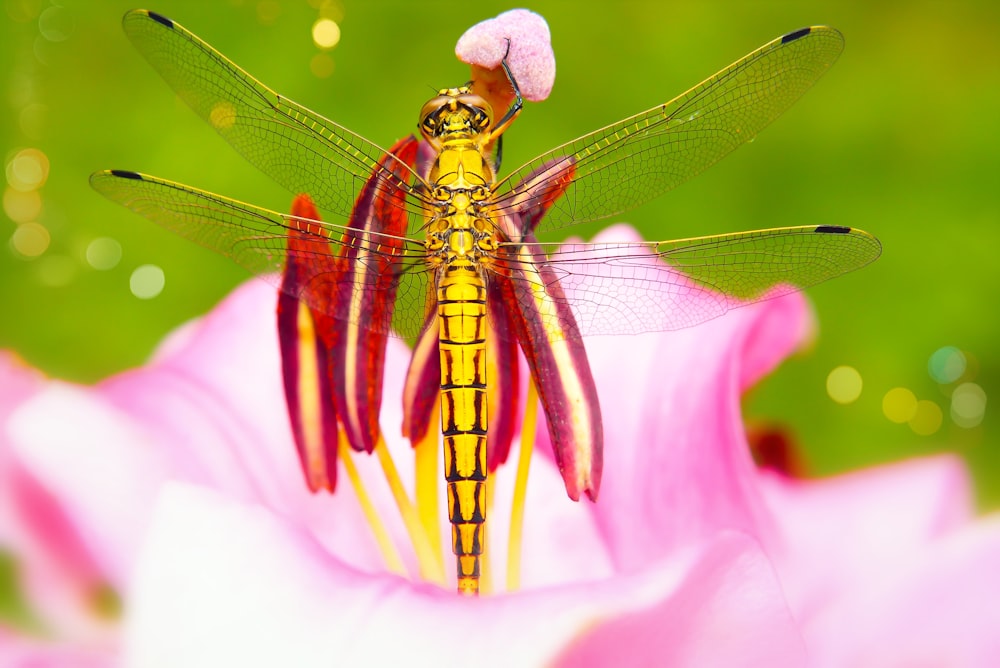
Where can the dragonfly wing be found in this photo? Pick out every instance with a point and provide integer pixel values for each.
(636, 287)
(258, 239)
(633, 161)
(298, 148)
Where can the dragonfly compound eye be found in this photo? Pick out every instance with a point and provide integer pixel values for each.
(430, 114)
(480, 120)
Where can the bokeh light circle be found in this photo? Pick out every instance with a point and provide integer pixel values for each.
(899, 405)
(843, 384)
(20, 206)
(927, 418)
(326, 33)
(30, 240)
(103, 253)
(56, 24)
(28, 170)
(147, 281)
(968, 405)
(946, 364)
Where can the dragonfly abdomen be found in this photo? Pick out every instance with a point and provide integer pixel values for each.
(462, 336)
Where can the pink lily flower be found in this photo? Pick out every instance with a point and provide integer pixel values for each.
(178, 486)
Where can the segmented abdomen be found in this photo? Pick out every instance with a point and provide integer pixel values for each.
(461, 295)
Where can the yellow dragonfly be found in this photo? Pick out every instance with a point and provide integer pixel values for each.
(439, 246)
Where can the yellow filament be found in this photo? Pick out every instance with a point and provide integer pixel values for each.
(385, 545)
(485, 571)
(521, 489)
(431, 568)
(427, 477)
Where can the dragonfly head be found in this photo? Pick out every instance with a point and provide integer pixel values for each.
(455, 113)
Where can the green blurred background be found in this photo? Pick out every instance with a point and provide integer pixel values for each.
(900, 138)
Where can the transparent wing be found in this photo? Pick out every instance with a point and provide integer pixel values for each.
(635, 287)
(258, 240)
(296, 147)
(633, 161)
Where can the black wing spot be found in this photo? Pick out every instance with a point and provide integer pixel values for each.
(125, 174)
(833, 229)
(792, 36)
(161, 19)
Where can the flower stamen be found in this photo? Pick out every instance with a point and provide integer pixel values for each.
(521, 489)
(389, 552)
(427, 486)
(431, 567)
(485, 563)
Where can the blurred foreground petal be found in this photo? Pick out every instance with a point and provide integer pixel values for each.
(214, 569)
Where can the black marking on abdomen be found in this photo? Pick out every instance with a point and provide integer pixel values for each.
(792, 36)
(455, 431)
(161, 19)
(477, 405)
(452, 342)
(477, 518)
(833, 229)
(462, 301)
(455, 386)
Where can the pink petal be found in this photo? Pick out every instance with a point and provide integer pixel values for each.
(19, 651)
(530, 58)
(56, 575)
(713, 618)
(853, 530)
(98, 472)
(677, 464)
(562, 543)
(936, 607)
(771, 332)
(212, 397)
(214, 570)
(181, 416)
(19, 382)
(208, 410)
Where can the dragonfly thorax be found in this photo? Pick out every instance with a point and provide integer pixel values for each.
(462, 228)
(457, 124)
(461, 178)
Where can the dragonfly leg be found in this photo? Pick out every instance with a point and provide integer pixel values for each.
(515, 108)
